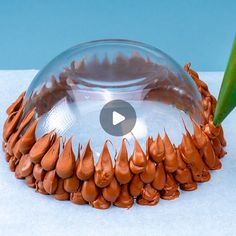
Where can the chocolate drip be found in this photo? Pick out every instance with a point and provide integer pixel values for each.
(77, 198)
(170, 190)
(15, 106)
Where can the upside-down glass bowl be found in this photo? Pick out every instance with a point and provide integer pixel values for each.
(71, 90)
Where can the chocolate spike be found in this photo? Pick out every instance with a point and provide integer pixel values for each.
(77, 197)
(28, 139)
(60, 193)
(192, 157)
(183, 175)
(49, 160)
(112, 191)
(15, 106)
(149, 174)
(11, 123)
(149, 196)
(30, 181)
(157, 149)
(85, 168)
(138, 160)
(89, 190)
(170, 160)
(50, 182)
(100, 203)
(40, 148)
(136, 186)
(38, 172)
(15, 136)
(124, 200)
(66, 163)
(210, 158)
(122, 171)
(72, 184)
(24, 168)
(170, 190)
(104, 171)
(160, 177)
(199, 137)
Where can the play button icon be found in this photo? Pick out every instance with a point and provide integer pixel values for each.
(117, 117)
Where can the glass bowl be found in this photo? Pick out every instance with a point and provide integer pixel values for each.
(70, 92)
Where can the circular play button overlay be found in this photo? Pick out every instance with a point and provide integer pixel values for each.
(117, 117)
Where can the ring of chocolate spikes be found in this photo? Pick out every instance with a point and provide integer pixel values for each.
(159, 172)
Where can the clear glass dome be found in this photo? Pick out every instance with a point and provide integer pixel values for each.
(71, 90)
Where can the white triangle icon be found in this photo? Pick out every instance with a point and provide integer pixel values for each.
(117, 118)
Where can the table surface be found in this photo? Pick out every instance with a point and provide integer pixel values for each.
(210, 210)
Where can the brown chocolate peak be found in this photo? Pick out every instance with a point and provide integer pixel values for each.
(38, 172)
(125, 200)
(136, 186)
(28, 139)
(122, 171)
(199, 137)
(101, 203)
(77, 197)
(72, 184)
(170, 190)
(191, 156)
(50, 182)
(24, 168)
(149, 173)
(211, 130)
(66, 163)
(112, 191)
(11, 123)
(89, 190)
(85, 168)
(49, 160)
(138, 160)
(41, 147)
(149, 196)
(15, 106)
(15, 136)
(157, 149)
(104, 171)
(29, 116)
(170, 160)
(210, 158)
(60, 193)
(160, 177)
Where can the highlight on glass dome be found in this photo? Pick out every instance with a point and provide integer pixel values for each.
(113, 122)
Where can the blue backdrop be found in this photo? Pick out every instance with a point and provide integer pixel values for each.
(201, 31)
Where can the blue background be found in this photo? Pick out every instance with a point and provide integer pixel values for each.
(200, 31)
